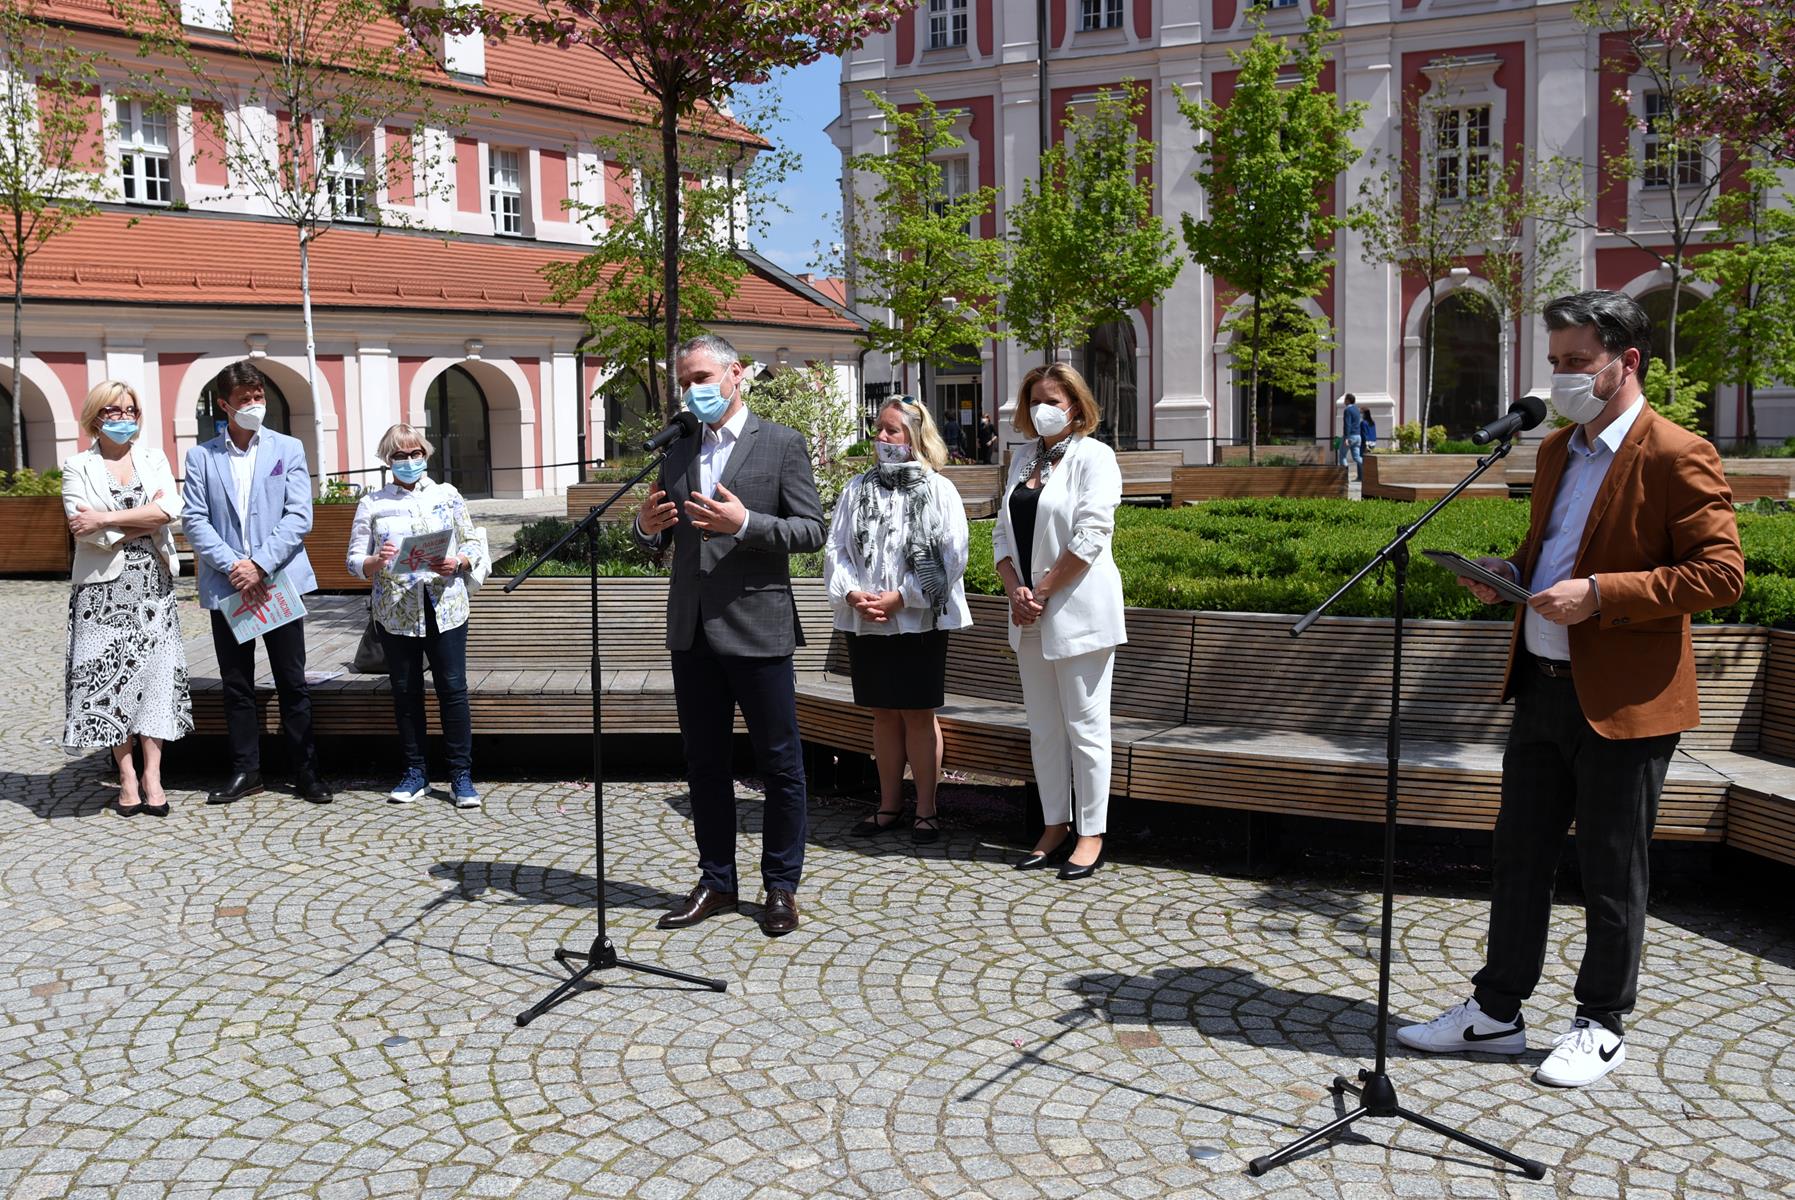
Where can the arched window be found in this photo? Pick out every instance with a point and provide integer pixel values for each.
(1108, 366)
(628, 414)
(211, 416)
(457, 421)
(1467, 374)
(1657, 307)
(7, 458)
(1292, 347)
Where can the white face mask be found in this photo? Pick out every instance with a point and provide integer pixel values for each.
(1050, 421)
(1574, 396)
(891, 454)
(250, 416)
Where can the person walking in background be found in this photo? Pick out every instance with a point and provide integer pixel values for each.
(987, 439)
(952, 436)
(1352, 436)
(735, 502)
(1052, 549)
(895, 569)
(125, 682)
(421, 609)
(247, 508)
(1633, 531)
(1367, 437)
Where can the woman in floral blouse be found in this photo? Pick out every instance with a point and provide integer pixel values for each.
(420, 606)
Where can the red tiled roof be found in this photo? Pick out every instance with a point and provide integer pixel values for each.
(149, 257)
(834, 289)
(576, 80)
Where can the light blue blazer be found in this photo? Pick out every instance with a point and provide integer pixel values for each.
(280, 514)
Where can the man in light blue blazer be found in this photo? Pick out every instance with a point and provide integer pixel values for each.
(247, 508)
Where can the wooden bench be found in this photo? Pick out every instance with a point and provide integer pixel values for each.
(1191, 484)
(1147, 474)
(1747, 488)
(1308, 454)
(1784, 467)
(582, 496)
(34, 536)
(529, 656)
(1427, 477)
(978, 487)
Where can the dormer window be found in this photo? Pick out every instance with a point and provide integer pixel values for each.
(505, 192)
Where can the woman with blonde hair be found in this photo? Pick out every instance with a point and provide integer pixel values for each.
(1052, 549)
(421, 608)
(895, 566)
(126, 677)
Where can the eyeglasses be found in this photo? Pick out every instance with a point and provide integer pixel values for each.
(408, 456)
(115, 413)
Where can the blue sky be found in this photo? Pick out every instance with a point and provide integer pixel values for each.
(810, 96)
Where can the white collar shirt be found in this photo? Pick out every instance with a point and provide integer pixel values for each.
(243, 473)
(715, 446)
(1585, 467)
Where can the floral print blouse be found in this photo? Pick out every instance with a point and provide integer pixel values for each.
(393, 513)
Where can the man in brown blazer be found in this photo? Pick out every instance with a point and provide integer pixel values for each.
(1633, 531)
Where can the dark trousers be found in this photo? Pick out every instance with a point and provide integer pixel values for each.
(447, 653)
(237, 671)
(1557, 769)
(707, 687)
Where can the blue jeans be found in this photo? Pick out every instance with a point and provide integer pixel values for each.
(1352, 450)
(447, 652)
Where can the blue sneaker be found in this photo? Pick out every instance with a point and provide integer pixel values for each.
(461, 787)
(413, 786)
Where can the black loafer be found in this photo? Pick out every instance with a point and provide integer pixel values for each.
(1074, 871)
(243, 783)
(1047, 858)
(311, 787)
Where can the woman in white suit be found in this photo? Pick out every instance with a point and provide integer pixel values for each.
(1052, 545)
(126, 676)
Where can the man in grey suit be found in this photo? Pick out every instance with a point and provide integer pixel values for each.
(246, 508)
(736, 502)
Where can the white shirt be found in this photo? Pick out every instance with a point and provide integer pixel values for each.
(714, 448)
(243, 473)
(1585, 467)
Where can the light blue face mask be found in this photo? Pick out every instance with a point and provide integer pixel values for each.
(119, 431)
(410, 470)
(707, 402)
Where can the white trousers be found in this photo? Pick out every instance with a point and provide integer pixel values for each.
(1068, 731)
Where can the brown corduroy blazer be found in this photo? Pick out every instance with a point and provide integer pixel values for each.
(1662, 543)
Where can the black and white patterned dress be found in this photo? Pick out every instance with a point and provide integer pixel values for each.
(127, 666)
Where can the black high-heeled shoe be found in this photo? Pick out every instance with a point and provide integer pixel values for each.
(1041, 859)
(1069, 871)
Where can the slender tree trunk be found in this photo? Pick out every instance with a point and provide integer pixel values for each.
(18, 348)
(1253, 396)
(311, 353)
(670, 187)
(1427, 368)
(1670, 346)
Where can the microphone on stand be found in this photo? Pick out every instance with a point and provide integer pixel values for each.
(685, 425)
(1526, 412)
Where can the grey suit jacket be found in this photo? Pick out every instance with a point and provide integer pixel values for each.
(740, 586)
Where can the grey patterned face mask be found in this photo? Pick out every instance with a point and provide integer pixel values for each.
(1046, 459)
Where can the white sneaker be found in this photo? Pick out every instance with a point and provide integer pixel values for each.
(1466, 1027)
(410, 788)
(1582, 1054)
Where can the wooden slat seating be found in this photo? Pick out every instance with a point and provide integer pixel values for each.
(1427, 477)
(34, 536)
(1192, 484)
(1147, 474)
(1311, 454)
(978, 487)
(528, 662)
(1784, 467)
(1519, 466)
(582, 496)
(1747, 488)
(1760, 816)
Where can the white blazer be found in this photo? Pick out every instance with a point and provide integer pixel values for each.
(100, 556)
(1077, 512)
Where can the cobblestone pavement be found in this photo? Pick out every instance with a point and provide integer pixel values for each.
(277, 999)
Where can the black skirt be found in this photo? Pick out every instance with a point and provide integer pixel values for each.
(898, 670)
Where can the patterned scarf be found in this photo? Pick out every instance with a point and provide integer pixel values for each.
(920, 527)
(1045, 459)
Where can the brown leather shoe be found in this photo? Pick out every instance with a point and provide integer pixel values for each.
(780, 914)
(699, 903)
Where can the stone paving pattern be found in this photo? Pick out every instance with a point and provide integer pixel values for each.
(277, 999)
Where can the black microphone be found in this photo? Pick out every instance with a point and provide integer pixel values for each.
(685, 425)
(1526, 412)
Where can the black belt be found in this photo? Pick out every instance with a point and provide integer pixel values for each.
(1552, 668)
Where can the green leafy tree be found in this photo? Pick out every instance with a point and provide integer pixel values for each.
(809, 399)
(1086, 248)
(316, 109)
(1267, 161)
(1744, 332)
(916, 253)
(51, 163)
(1675, 391)
(1289, 349)
(1743, 53)
(1527, 247)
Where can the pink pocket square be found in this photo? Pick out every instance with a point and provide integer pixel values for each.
(280, 468)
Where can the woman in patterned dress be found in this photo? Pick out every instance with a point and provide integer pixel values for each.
(125, 685)
(421, 608)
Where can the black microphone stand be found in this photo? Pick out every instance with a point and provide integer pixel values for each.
(1377, 1095)
(601, 955)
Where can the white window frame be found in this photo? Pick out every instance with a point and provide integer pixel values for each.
(346, 180)
(1654, 176)
(1471, 152)
(950, 24)
(505, 191)
(1462, 84)
(145, 155)
(1099, 14)
(956, 179)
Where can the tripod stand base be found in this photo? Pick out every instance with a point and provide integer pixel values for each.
(1377, 1098)
(603, 957)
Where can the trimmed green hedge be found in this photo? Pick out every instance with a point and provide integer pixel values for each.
(1287, 556)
